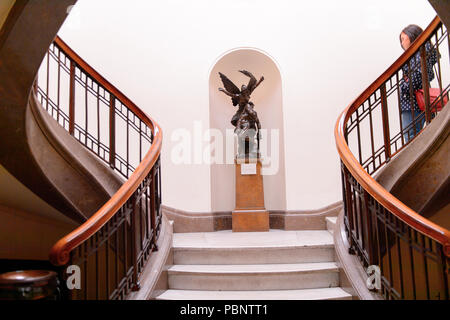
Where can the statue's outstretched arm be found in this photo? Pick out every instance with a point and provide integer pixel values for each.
(228, 94)
(259, 82)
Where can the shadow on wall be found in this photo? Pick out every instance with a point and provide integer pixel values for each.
(269, 106)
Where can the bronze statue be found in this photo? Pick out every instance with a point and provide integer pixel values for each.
(241, 97)
(245, 119)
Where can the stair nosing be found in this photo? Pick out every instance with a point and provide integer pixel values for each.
(205, 247)
(321, 267)
(334, 292)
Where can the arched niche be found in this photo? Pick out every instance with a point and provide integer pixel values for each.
(269, 106)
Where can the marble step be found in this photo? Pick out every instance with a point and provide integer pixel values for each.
(254, 277)
(304, 294)
(331, 223)
(273, 247)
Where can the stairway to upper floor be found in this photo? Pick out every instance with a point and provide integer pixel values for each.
(419, 175)
(395, 189)
(108, 194)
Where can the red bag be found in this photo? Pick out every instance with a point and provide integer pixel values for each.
(434, 94)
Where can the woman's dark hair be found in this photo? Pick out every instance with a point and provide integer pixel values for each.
(412, 31)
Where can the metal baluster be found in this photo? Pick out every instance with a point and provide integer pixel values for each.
(98, 120)
(48, 80)
(399, 253)
(443, 270)
(411, 103)
(112, 131)
(97, 278)
(400, 109)
(72, 99)
(134, 254)
(425, 82)
(86, 272)
(372, 143)
(358, 136)
(378, 237)
(86, 118)
(107, 259)
(349, 212)
(369, 220)
(388, 249)
(411, 257)
(356, 218)
(153, 206)
(385, 117)
(128, 142)
(117, 254)
(424, 256)
(59, 87)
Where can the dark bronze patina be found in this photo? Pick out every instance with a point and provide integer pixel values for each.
(245, 120)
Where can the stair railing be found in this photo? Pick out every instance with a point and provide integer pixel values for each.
(104, 257)
(411, 252)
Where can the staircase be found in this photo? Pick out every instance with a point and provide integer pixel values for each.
(274, 265)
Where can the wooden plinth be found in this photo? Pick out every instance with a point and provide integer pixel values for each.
(250, 214)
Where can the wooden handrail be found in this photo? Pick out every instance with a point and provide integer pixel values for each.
(414, 48)
(60, 253)
(101, 80)
(399, 209)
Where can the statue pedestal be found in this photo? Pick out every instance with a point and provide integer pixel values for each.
(250, 214)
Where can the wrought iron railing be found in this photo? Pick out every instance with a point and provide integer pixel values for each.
(111, 248)
(411, 251)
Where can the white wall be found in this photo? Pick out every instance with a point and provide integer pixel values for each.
(160, 54)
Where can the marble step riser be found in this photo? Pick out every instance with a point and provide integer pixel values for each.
(187, 256)
(330, 226)
(252, 282)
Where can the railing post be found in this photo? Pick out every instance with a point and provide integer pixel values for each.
(153, 205)
(349, 209)
(425, 82)
(443, 271)
(112, 131)
(373, 259)
(385, 119)
(71, 99)
(134, 252)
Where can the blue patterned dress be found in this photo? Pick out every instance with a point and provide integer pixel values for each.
(416, 83)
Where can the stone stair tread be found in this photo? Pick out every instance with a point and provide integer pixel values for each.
(241, 240)
(254, 269)
(334, 293)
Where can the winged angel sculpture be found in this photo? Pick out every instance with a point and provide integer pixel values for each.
(245, 120)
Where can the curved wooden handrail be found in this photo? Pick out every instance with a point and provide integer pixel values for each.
(101, 80)
(60, 253)
(398, 208)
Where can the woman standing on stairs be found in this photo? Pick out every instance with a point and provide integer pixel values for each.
(412, 81)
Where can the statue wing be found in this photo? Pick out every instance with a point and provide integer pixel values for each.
(252, 83)
(230, 87)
